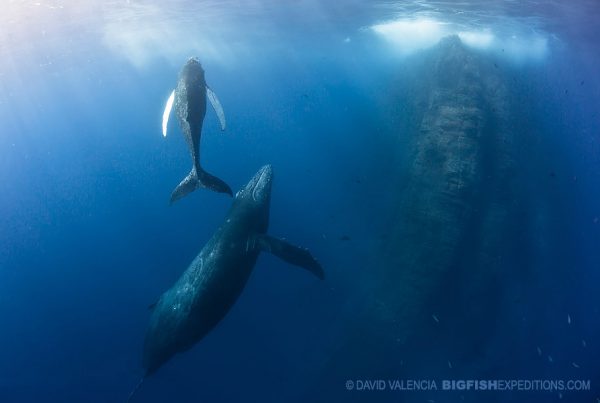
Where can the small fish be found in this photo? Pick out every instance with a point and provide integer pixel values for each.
(575, 364)
(449, 365)
(569, 319)
(583, 343)
(344, 238)
(435, 318)
(550, 359)
(539, 350)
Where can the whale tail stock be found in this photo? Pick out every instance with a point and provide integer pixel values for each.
(137, 387)
(199, 178)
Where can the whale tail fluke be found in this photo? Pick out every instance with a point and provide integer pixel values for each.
(137, 387)
(198, 178)
(212, 182)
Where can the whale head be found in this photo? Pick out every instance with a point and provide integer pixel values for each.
(192, 70)
(258, 189)
(253, 200)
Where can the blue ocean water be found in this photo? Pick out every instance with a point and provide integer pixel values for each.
(440, 159)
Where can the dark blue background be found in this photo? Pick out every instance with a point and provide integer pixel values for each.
(88, 240)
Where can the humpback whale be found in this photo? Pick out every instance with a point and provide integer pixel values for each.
(189, 100)
(206, 291)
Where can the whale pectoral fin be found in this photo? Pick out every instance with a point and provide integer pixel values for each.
(214, 101)
(167, 112)
(290, 253)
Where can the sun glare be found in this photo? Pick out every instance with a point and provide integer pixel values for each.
(410, 35)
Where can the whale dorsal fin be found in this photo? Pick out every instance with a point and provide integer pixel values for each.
(290, 253)
(167, 112)
(214, 101)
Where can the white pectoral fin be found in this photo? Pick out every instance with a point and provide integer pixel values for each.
(214, 101)
(167, 112)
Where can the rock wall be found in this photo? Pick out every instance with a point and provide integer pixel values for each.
(437, 279)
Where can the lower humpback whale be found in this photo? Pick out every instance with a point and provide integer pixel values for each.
(206, 291)
(189, 100)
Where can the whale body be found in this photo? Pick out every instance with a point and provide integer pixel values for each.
(189, 101)
(209, 287)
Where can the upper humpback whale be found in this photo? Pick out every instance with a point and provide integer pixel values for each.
(205, 292)
(189, 99)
